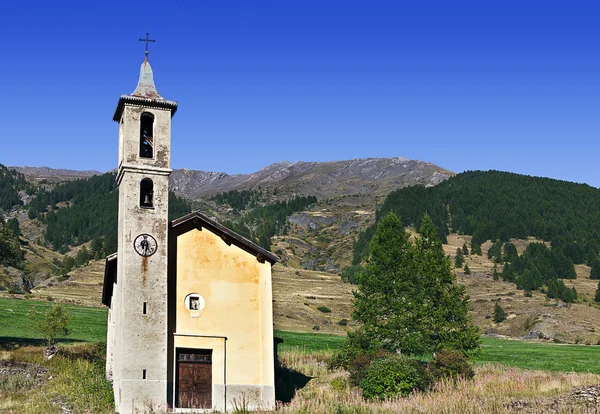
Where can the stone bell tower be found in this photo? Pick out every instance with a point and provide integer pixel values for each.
(138, 320)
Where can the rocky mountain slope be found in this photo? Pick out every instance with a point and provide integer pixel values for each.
(373, 176)
(37, 174)
(369, 176)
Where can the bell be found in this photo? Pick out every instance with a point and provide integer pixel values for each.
(148, 199)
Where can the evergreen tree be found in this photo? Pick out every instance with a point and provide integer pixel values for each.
(495, 275)
(13, 225)
(407, 299)
(476, 248)
(465, 249)
(597, 297)
(467, 270)
(459, 259)
(97, 248)
(499, 314)
(510, 252)
(82, 257)
(10, 250)
(595, 271)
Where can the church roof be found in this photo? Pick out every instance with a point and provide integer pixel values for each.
(199, 220)
(195, 220)
(145, 94)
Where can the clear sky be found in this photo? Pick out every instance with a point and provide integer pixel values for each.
(513, 86)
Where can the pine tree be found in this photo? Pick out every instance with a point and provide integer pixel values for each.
(10, 250)
(13, 225)
(467, 270)
(407, 299)
(595, 271)
(459, 259)
(597, 297)
(510, 252)
(476, 248)
(465, 249)
(499, 314)
(495, 275)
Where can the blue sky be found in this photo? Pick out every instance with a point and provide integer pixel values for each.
(513, 86)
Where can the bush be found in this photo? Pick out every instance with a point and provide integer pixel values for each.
(451, 364)
(356, 344)
(394, 376)
(15, 290)
(324, 309)
(343, 322)
(54, 323)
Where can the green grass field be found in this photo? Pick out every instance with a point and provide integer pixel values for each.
(89, 325)
(540, 356)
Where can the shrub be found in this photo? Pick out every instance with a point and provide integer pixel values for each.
(324, 309)
(343, 322)
(356, 344)
(15, 290)
(451, 364)
(339, 384)
(397, 375)
(358, 369)
(54, 323)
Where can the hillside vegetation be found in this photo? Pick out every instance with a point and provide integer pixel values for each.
(494, 205)
(11, 182)
(501, 206)
(78, 211)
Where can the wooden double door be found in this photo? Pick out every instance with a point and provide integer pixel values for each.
(194, 378)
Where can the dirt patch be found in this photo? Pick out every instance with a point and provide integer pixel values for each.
(21, 374)
(579, 400)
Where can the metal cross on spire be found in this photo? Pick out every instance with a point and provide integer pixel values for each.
(147, 39)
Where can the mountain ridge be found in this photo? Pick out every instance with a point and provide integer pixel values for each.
(326, 179)
(323, 179)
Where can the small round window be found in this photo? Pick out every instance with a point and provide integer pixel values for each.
(194, 302)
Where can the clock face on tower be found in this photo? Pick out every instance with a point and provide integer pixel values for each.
(145, 245)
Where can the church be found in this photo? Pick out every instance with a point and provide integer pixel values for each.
(190, 321)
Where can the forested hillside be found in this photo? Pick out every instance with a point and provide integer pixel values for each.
(260, 221)
(10, 252)
(11, 182)
(498, 206)
(82, 210)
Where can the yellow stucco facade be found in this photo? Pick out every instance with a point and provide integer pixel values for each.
(234, 318)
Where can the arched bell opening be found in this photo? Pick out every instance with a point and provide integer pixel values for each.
(147, 135)
(146, 193)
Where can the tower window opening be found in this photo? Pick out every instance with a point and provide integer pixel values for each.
(147, 136)
(147, 193)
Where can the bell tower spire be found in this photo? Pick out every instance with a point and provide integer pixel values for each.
(137, 340)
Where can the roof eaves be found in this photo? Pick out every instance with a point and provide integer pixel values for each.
(141, 101)
(221, 230)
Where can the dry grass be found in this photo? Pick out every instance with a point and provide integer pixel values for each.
(73, 381)
(495, 389)
(83, 287)
(298, 293)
